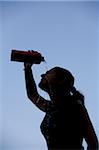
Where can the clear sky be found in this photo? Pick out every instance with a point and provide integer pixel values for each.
(67, 34)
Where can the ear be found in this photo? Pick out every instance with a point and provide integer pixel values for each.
(66, 84)
(63, 82)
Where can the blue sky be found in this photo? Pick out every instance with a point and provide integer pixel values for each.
(67, 34)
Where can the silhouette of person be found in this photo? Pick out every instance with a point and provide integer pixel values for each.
(66, 122)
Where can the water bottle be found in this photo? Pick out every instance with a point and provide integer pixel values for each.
(26, 56)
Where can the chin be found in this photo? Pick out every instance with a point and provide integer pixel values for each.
(42, 86)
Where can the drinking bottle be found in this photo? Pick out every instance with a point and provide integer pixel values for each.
(26, 56)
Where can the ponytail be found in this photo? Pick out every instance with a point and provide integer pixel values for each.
(77, 95)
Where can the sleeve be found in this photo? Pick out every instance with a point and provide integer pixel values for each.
(42, 104)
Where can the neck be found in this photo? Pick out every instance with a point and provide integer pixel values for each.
(57, 98)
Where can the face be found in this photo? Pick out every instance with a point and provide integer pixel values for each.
(47, 80)
(58, 80)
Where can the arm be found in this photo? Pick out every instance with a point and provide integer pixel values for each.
(89, 132)
(31, 89)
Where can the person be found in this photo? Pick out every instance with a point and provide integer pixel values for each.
(66, 122)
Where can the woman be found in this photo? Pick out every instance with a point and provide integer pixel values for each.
(66, 122)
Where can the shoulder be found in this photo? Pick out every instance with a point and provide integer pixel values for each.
(80, 102)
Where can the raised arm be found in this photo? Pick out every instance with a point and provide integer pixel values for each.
(31, 89)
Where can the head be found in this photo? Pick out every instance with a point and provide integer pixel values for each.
(58, 80)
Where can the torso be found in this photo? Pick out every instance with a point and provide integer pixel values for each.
(61, 126)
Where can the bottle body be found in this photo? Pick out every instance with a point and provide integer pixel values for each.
(26, 56)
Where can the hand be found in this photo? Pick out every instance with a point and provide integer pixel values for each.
(37, 56)
(27, 65)
(34, 53)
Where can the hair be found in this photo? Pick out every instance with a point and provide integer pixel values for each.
(64, 74)
(77, 95)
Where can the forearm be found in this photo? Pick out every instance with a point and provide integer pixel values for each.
(30, 83)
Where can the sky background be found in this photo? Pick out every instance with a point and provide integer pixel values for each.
(66, 34)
